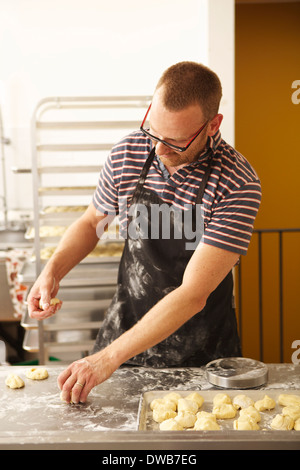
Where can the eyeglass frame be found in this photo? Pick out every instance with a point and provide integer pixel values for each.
(167, 144)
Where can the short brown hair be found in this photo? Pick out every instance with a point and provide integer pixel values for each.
(187, 83)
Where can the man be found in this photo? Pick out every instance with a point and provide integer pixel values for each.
(173, 305)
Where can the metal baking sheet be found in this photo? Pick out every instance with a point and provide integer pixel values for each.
(146, 422)
(114, 260)
(102, 258)
(60, 191)
(61, 213)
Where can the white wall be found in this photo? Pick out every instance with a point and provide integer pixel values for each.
(221, 55)
(96, 47)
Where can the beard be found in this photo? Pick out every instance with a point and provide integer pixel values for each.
(173, 159)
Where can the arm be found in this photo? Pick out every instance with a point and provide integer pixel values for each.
(78, 241)
(207, 268)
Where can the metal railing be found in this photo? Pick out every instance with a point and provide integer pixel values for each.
(280, 254)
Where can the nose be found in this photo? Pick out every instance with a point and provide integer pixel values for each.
(162, 149)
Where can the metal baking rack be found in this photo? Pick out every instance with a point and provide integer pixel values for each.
(71, 138)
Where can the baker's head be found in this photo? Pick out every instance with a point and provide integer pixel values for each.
(188, 83)
(184, 112)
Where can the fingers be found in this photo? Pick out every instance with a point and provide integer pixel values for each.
(80, 392)
(39, 299)
(47, 294)
(81, 376)
(76, 382)
(73, 391)
(45, 299)
(41, 313)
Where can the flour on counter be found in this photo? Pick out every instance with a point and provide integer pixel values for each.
(36, 414)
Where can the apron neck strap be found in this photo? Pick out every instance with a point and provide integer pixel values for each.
(146, 167)
(143, 175)
(204, 181)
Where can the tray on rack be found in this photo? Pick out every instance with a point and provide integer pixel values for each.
(73, 191)
(84, 274)
(106, 252)
(62, 212)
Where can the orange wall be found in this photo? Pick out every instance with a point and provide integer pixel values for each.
(268, 135)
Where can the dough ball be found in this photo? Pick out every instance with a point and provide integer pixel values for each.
(251, 412)
(187, 405)
(297, 425)
(282, 423)
(172, 396)
(186, 419)
(53, 301)
(205, 414)
(221, 398)
(170, 425)
(289, 400)
(244, 423)
(266, 403)
(195, 396)
(14, 381)
(206, 424)
(242, 401)
(163, 403)
(161, 414)
(224, 411)
(37, 374)
(291, 411)
(156, 403)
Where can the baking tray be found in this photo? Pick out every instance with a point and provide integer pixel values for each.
(57, 233)
(146, 422)
(84, 274)
(102, 258)
(62, 191)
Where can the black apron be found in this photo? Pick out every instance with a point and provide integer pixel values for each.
(150, 269)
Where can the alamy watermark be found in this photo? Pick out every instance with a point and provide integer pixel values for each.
(157, 221)
(296, 354)
(296, 94)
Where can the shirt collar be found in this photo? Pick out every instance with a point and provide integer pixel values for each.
(211, 145)
(210, 148)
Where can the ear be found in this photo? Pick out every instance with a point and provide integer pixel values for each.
(214, 124)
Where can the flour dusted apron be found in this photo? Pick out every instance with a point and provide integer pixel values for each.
(151, 268)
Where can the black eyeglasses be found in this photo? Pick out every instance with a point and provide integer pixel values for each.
(167, 144)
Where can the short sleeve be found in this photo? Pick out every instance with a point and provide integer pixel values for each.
(231, 224)
(105, 197)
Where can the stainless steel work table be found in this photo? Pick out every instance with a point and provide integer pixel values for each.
(34, 417)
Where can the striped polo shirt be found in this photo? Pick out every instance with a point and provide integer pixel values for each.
(231, 199)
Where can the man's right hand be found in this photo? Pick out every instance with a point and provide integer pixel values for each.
(40, 295)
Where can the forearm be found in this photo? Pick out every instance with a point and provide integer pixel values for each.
(156, 325)
(77, 242)
(206, 269)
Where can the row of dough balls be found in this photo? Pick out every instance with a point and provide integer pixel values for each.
(14, 381)
(110, 249)
(173, 412)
